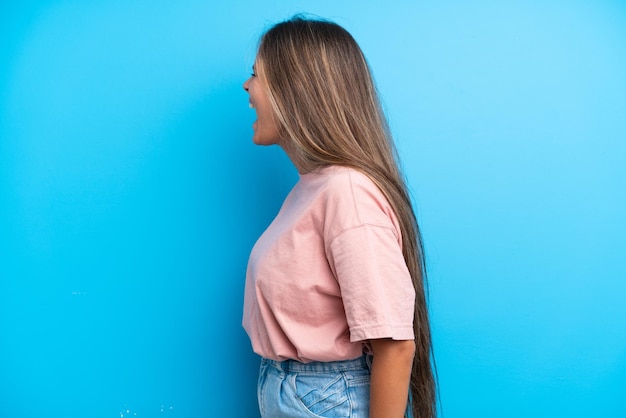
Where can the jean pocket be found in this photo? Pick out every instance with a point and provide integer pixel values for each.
(323, 395)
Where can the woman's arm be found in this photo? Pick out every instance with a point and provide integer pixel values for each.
(391, 372)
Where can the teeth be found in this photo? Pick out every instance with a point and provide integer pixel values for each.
(251, 105)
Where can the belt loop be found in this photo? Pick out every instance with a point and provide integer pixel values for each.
(368, 361)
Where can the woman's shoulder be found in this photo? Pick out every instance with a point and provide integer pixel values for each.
(348, 189)
(349, 198)
(340, 179)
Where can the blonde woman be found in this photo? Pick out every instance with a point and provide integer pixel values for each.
(334, 299)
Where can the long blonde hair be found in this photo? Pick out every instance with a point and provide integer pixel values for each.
(327, 108)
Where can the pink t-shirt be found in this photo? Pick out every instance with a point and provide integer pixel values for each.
(328, 273)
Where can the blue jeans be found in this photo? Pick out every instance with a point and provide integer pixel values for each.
(318, 389)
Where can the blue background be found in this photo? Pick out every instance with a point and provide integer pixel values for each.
(131, 195)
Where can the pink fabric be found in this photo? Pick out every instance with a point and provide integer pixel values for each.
(328, 273)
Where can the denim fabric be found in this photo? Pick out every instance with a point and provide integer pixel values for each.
(338, 389)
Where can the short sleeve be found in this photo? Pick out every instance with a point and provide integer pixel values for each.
(375, 283)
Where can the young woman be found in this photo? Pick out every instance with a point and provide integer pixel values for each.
(334, 299)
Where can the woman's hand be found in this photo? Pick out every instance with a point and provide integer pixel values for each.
(391, 372)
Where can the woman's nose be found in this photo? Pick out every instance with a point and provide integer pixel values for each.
(245, 85)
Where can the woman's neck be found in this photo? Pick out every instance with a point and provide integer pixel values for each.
(296, 158)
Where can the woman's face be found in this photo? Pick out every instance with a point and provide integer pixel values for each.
(265, 127)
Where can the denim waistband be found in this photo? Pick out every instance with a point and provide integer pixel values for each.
(320, 366)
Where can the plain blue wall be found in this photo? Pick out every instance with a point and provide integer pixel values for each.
(131, 194)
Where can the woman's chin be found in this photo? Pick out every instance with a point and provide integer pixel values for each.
(260, 141)
(263, 140)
